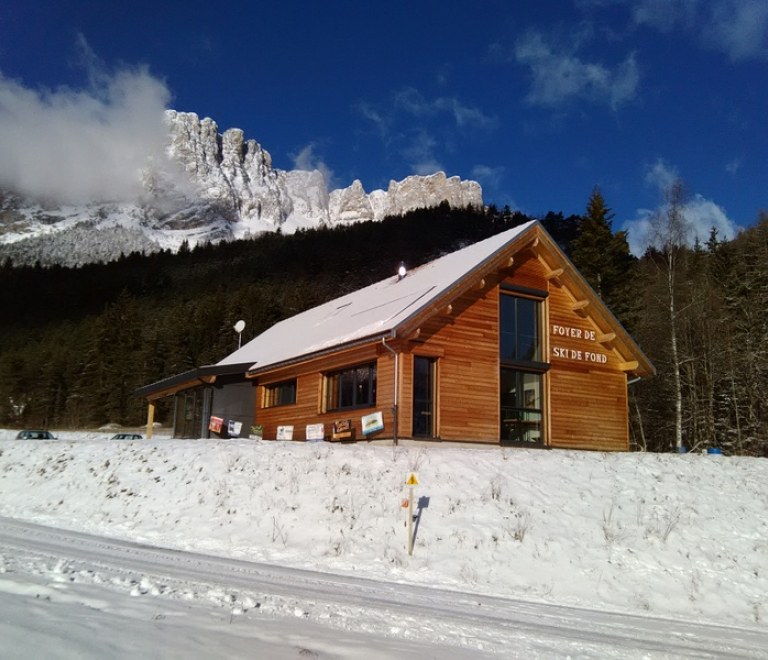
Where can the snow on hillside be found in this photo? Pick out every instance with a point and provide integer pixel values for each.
(666, 535)
(209, 187)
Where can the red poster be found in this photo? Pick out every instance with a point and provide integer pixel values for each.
(215, 424)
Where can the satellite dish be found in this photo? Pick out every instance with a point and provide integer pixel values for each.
(240, 326)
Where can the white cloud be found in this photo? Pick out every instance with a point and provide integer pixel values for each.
(308, 161)
(418, 128)
(739, 28)
(488, 177)
(377, 118)
(639, 231)
(664, 15)
(560, 75)
(71, 146)
(420, 154)
(734, 166)
(700, 214)
(413, 102)
(661, 175)
(703, 214)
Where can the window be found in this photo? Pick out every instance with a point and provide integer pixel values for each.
(521, 410)
(192, 409)
(354, 387)
(522, 371)
(519, 329)
(280, 394)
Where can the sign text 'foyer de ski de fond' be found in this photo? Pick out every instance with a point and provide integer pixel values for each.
(560, 332)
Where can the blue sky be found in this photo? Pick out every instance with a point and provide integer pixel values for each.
(539, 102)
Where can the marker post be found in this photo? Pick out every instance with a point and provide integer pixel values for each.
(411, 484)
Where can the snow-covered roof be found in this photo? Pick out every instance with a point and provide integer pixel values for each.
(369, 313)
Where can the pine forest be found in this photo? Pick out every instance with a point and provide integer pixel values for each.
(77, 342)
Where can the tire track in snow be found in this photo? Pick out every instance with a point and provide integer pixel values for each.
(410, 611)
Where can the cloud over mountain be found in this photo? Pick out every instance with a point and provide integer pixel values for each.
(68, 145)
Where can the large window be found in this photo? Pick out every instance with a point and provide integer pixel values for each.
(522, 371)
(521, 409)
(354, 387)
(280, 394)
(519, 329)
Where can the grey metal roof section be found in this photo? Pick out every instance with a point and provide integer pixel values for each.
(197, 374)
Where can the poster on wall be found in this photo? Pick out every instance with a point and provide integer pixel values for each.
(215, 424)
(342, 429)
(372, 423)
(285, 432)
(234, 428)
(315, 432)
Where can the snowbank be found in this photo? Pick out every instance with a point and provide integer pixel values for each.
(679, 535)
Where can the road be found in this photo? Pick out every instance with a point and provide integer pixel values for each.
(293, 613)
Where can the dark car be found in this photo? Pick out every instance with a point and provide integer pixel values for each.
(35, 435)
(127, 436)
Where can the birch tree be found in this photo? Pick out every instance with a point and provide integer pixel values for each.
(669, 234)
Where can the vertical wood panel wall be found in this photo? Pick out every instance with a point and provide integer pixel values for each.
(588, 398)
(467, 384)
(587, 403)
(309, 394)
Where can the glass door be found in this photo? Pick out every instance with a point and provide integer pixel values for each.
(423, 396)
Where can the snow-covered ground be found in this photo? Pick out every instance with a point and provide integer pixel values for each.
(675, 537)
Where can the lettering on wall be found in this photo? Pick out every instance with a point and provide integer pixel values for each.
(560, 332)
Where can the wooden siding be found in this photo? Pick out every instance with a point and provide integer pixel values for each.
(467, 383)
(587, 389)
(589, 410)
(466, 342)
(308, 408)
(585, 392)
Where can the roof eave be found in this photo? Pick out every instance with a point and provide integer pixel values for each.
(255, 370)
(204, 375)
(465, 282)
(628, 345)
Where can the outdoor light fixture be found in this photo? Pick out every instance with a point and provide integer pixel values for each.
(239, 327)
(401, 271)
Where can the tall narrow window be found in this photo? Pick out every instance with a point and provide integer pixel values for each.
(354, 387)
(519, 329)
(522, 371)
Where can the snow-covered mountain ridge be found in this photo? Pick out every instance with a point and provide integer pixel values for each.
(209, 186)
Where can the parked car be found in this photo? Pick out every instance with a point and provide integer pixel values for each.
(127, 436)
(35, 435)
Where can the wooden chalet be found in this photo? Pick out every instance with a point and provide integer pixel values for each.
(501, 342)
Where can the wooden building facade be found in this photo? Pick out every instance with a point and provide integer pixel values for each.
(502, 342)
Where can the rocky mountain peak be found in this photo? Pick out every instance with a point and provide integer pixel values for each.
(213, 186)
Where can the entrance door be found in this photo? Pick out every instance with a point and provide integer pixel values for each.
(423, 397)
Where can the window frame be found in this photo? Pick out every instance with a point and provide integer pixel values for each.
(520, 417)
(334, 381)
(532, 365)
(273, 393)
(523, 417)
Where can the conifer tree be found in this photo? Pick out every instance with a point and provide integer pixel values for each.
(603, 257)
